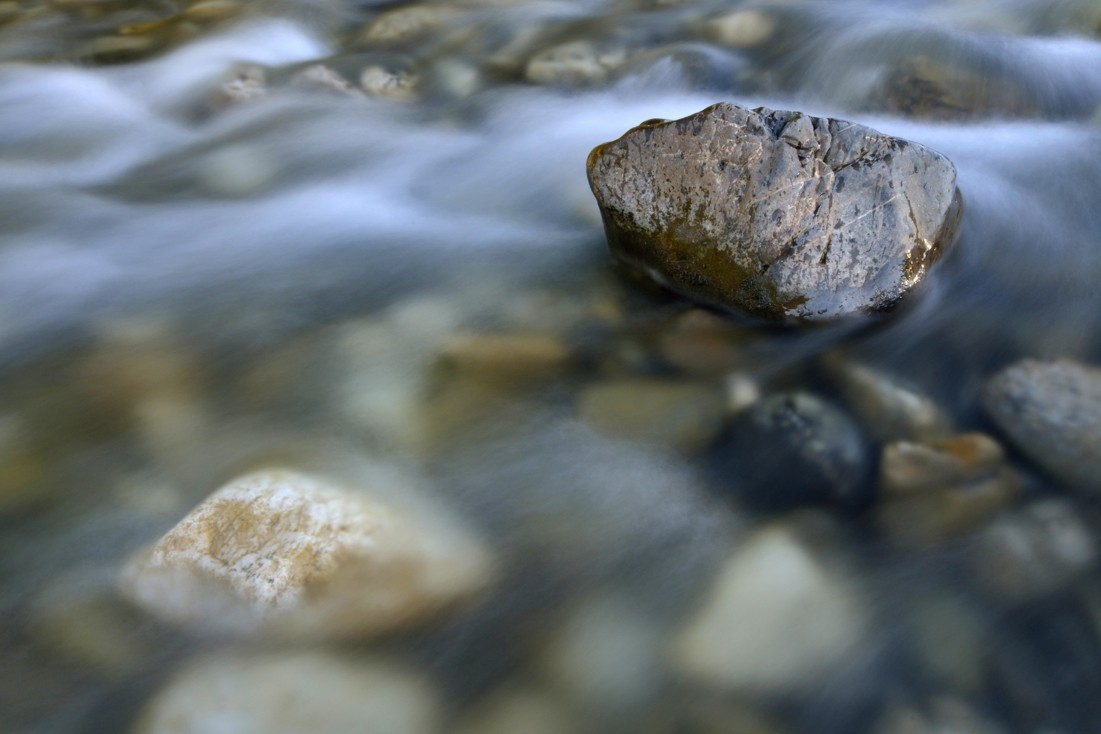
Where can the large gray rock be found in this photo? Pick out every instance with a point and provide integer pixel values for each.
(781, 214)
(1051, 411)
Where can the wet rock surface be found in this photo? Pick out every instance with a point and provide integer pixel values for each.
(1051, 411)
(284, 552)
(794, 449)
(891, 409)
(780, 214)
(933, 492)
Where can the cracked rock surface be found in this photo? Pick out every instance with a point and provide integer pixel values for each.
(780, 214)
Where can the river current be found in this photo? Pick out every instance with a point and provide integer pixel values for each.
(215, 257)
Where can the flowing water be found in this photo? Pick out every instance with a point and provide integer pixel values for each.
(212, 258)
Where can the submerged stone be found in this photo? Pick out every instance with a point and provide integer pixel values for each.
(1051, 411)
(1039, 550)
(780, 615)
(792, 449)
(919, 86)
(685, 415)
(891, 409)
(281, 693)
(283, 552)
(936, 491)
(780, 214)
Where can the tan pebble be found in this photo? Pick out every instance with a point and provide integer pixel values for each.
(893, 410)
(941, 515)
(699, 342)
(405, 24)
(742, 28)
(242, 83)
(21, 474)
(136, 361)
(576, 62)
(209, 10)
(183, 31)
(379, 81)
(508, 357)
(908, 466)
(684, 415)
(29, 14)
(322, 78)
(10, 11)
(742, 391)
(293, 692)
(932, 495)
(778, 618)
(137, 29)
(461, 411)
(286, 552)
(111, 47)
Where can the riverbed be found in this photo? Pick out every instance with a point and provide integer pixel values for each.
(356, 240)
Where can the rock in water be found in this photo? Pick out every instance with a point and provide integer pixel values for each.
(782, 616)
(283, 552)
(780, 214)
(290, 692)
(1051, 411)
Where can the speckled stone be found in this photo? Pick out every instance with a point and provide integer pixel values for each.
(780, 214)
(284, 552)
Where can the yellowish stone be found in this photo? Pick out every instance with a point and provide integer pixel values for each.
(291, 693)
(777, 619)
(292, 554)
(684, 415)
(504, 357)
(208, 10)
(405, 24)
(742, 28)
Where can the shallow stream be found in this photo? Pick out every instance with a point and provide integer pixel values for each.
(216, 256)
